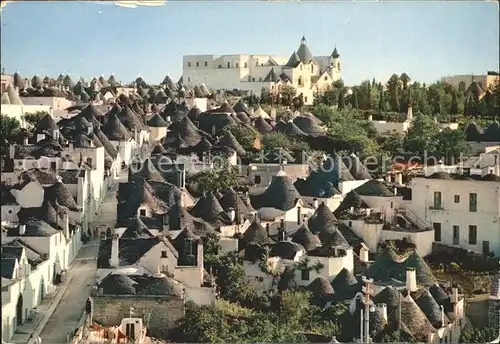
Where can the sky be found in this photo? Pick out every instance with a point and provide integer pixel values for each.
(427, 40)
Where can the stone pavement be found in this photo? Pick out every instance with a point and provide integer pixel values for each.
(60, 313)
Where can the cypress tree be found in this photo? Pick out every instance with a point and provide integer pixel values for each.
(355, 103)
(454, 103)
(341, 102)
(381, 104)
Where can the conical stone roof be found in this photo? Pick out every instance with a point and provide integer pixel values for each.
(115, 130)
(229, 140)
(280, 194)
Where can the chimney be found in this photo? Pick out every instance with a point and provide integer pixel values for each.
(25, 141)
(351, 210)
(65, 224)
(267, 230)
(368, 212)
(282, 224)
(22, 229)
(370, 118)
(315, 203)
(411, 279)
(114, 261)
(55, 134)
(12, 151)
(232, 214)
(273, 113)
(454, 294)
(382, 308)
(395, 191)
(409, 114)
(364, 254)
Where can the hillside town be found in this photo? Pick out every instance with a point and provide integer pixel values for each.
(255, 199)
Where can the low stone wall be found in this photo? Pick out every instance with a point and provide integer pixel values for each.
(159, 313)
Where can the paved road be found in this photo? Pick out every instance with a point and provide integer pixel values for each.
(66, 318)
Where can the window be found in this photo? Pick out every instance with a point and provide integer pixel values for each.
(189, 79)
(246, 65)
(229, 65)
(305, 99)
(338, 65)
(249, 78)
(142, 212)
(164, 254)
(220, 66)
(350, 224)
(457, 198)
(437, 231)
(10, 211)
(300, 81)
(164, 268)
(53, 165)
(89, 161)
(456, 235)
(189, 64)
(257, 179)
(253, 79)
(472, 235)
(312, 69)
(256, 63)
(206, 64)
(237, 65)
(305, 275)
(437, 200)
(260, 79)
(473, 202)
(197, 64)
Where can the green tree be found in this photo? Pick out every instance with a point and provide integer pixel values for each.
(34, 118)
(391, 142)
(484, 335)
(273, 141)
(341, 102)
(405, 80)
(287, 93)
(421, 136)
(382, 102)
(8, 126)
(266, 96)
(453, 143)
(454, 103)
(219, 178)
(211, 247)
(245, 135)
(355, 103)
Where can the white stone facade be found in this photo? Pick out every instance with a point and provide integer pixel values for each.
(307, 74)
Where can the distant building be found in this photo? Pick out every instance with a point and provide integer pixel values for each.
(307, 73)
(485, 80)
(6, 81)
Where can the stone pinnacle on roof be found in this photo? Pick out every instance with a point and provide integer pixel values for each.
(335, 53)
(303, 52)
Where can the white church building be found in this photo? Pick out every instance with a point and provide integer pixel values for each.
(307, 73)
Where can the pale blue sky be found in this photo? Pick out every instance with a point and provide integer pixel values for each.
(427, 40)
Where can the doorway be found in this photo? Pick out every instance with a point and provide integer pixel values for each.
(486, 249)
(19, 310)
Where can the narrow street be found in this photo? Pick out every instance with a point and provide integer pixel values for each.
(66, 318)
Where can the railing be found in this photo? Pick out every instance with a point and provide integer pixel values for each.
(414, 218)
